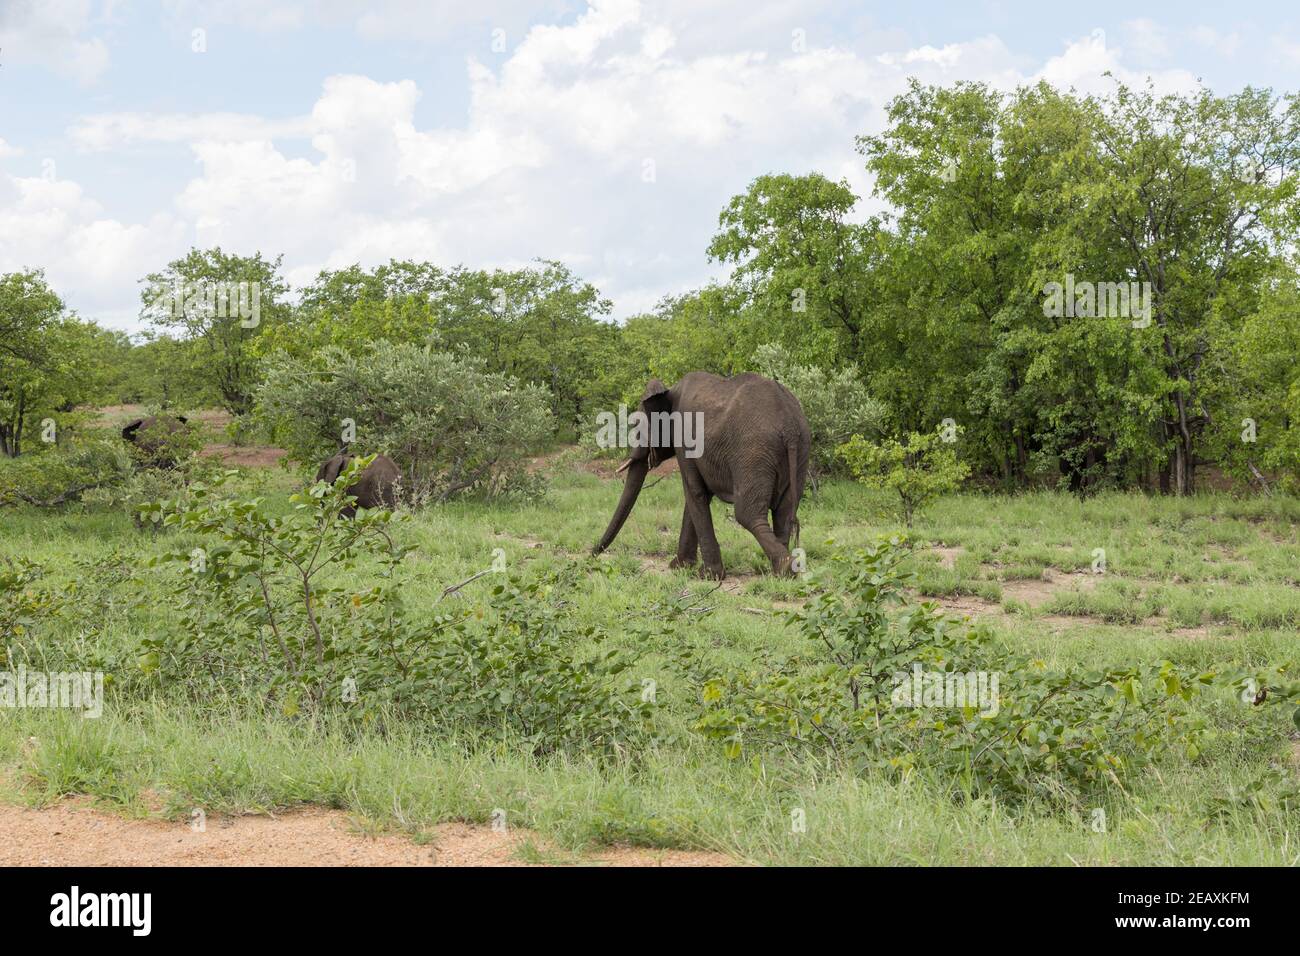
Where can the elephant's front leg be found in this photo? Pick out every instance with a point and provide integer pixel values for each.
(698, 498)
(688, 544)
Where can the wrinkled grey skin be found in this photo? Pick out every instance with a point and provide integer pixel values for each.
(376, 488)
(754, 454)
(153, 435)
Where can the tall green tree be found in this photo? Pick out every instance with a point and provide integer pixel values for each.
(50, 361)
(802, 263)
(222, 303)
(542, 325)
(1197, 193)
(1188, 200)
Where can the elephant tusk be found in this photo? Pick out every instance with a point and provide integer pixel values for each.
(624, 467)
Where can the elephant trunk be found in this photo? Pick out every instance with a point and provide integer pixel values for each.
(636, 472)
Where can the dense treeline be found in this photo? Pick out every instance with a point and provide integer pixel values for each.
(1096, 291)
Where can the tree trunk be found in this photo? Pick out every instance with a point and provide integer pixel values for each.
(1184, 461)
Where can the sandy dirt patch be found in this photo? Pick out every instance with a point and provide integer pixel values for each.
(1037, 591)
(72, 833)
(948, 556)
(244, 456)
(548, 461)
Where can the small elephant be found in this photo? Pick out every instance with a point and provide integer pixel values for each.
(375, 488)
(156, 437)
(744, 439)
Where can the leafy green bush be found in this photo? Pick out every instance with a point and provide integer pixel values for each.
(24, 605)
(451, 426)
(522, 673)
(919, 469)
(261, 616)
(243, 430)
(836, 404)
(898, 687)
(63, 473)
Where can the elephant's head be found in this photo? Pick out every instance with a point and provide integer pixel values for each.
(654, 448)
(159, 438)
(163, 423)
(329, 471)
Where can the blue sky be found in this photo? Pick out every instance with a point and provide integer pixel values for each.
(606, 135)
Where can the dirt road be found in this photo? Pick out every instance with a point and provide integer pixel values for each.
(72, 833)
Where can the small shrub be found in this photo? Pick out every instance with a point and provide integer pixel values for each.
(836, 404)
(24, 604)
(64, 473)
(918, 470)
(451, 426)
(145, 485)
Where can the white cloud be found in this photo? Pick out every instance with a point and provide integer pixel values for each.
(1148, 39)
(52, 34)
(92, 260)
(106, 131)
(7, 150)
(1223, 44)
(1085, 61)
(611, 142)
(374, 20)
(262, 16)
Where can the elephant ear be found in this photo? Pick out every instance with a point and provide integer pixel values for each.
(129, 431)
(654, 388)
(329, 472)
(656, 400)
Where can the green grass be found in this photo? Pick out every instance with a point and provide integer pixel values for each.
(1227, 567)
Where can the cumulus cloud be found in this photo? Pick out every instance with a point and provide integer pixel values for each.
(107, 131)
(609, 142)
(1148, 39)
(1085, 62)
(1223, 44)
(53, 34)
(375, 20)
(93, 260)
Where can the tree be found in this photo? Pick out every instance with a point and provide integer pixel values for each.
(802, 264)
(954, 326)
(50, 361)
(542, 325)
(30, 313)
(222, 303)
(1198, 192)
(1257, 433)
(1185, 200)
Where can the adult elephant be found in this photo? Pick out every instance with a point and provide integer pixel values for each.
(158, 437)
(376, 487)
(753, 442)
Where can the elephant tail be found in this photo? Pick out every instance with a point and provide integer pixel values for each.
(796, 483)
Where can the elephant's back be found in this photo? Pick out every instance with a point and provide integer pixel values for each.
(384, 468)
(747, 396)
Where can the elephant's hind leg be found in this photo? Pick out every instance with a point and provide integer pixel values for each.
(753, 518)
(783, 522)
